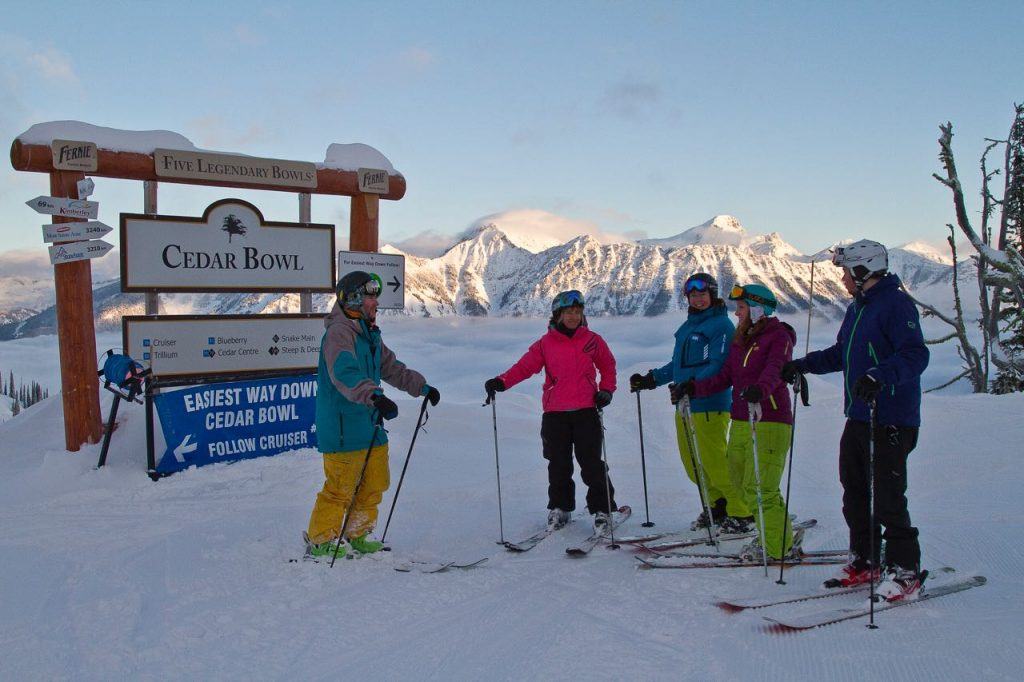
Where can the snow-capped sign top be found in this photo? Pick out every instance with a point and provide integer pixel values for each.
(114, 139)
(352, 157)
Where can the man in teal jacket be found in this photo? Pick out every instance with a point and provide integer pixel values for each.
(702, 344)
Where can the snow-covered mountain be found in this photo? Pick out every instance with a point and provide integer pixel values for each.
(492, 273)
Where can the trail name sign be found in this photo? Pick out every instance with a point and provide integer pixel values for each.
(176, 163)
(230, 248)
(72, 251)
(387, 268)
(198, 346)
(215, 423)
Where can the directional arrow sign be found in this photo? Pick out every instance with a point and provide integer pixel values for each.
(65, 253)
(62, 206)
(394, 283)
(185, 448)
(63, 232)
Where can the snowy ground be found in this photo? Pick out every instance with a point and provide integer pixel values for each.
(107, 575)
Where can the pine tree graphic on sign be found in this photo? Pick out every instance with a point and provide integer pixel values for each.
(233, 226)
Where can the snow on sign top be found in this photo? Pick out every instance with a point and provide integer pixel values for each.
(346, 157)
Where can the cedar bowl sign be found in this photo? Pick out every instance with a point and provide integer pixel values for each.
(230, 248)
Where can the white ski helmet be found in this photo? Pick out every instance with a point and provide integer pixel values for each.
(864, 259)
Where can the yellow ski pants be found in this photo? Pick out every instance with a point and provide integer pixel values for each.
(711, 430)
(342, 473)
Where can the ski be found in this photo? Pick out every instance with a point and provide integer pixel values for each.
(436, 566)
(675, 562)
(763, 602)
(583, 549)
(736, 557)
(703, 540)
(526, 544)
(830, 616)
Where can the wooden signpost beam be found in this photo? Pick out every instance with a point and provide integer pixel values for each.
(364, 223)
(76, 335)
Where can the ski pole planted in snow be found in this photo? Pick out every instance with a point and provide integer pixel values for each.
(799, 389)
(607, 483)
(492, 399)
(698, 465)
(871, 511)
(355, 492)
(420, 421)
(643, 462)
(754, 414)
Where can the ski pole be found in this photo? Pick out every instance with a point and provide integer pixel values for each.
(643, 461)
(607, 482)
(698, 465)
(493, 400)
(355, 493)
(871, 511)
(419, 422)
(754, 414)
(799, 388)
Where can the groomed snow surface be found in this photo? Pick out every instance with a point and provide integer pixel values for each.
(107, 575)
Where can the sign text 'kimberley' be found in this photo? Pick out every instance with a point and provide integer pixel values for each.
(231, 248)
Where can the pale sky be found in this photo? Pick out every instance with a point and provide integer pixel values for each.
(812, 119)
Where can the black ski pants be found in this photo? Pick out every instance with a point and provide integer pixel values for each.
(561, 433)
(893, 445)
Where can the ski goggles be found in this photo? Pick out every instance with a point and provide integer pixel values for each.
(695, 285)
(739, 292)
(567, 299)
(371, 288)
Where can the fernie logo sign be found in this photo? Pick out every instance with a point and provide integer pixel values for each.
(373, 180)
(230, 248)
(76, 156)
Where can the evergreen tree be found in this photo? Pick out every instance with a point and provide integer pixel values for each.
(15, 409)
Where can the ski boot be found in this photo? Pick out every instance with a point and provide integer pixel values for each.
(557, 518)
(601, 520)
(366, 544)
(857, 572)
(737, 525)
(717, 515)
(754, 553)
(324, 550)
(900, 584)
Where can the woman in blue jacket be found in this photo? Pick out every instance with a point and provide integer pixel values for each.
(702, 344)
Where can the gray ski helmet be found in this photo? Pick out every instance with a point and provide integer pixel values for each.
(353, 286)
(864, 259)
(701, 281)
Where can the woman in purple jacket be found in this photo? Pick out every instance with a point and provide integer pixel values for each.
(761, 346)
(571, 356)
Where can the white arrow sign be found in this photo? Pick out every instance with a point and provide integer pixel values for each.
(62, 206)
(65, 232)
(65, 253)
(185, 448)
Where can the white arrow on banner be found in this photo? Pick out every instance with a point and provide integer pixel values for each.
(63, 232)
(72, 251)
(62, 206)
(185, 448)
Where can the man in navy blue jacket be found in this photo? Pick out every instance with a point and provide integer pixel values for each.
(881, 352)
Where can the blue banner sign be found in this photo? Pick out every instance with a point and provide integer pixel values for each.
(239, 420)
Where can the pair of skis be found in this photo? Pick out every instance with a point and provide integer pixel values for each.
(617, 518)
(656, 542)
(837, 615)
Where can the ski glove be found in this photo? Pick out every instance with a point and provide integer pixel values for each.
(384, 406)
(790, 371)
(433, 395)
(642, 382)
(866, 388)
(687, 388)
(752, 394)
(492, 386)
(602, 399)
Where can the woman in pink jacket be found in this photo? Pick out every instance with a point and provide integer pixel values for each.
(571, 356)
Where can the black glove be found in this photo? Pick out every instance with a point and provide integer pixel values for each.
(385, 406)
(602, 399)
(642, 382)
(866, 388)
(492, 386)
(677, 391)
(752, 394)
(790, 371)
(433, 395)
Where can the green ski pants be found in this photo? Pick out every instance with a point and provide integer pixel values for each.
(772, 444)
(711, 429)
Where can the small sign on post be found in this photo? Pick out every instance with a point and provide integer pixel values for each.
(373, 180)
(74, 156)
(387, 268)
(64, 207)
(67, 232)
(72, 251)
